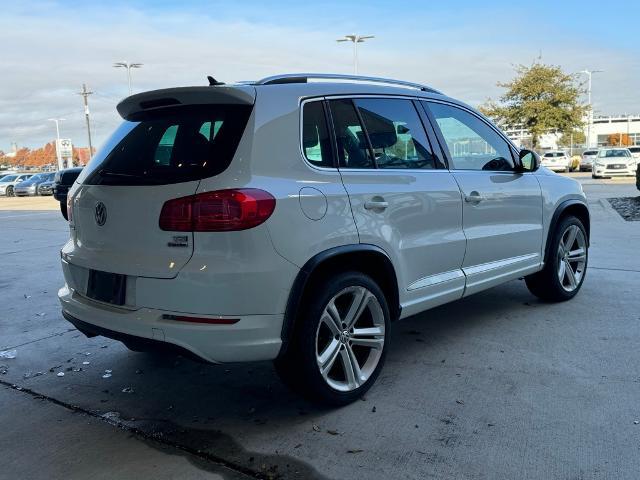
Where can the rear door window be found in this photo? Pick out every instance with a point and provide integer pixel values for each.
(353, 150)
(171, 145)
(396, 133)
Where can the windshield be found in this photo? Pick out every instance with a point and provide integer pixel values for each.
(36, 178)
(554, 154)
(9, 178)
(614, 153)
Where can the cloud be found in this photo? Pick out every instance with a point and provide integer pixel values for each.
(49, 52)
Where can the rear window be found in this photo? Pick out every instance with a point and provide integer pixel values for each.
(172, 145)
(634, 149)
(554, 154)
(591, 152)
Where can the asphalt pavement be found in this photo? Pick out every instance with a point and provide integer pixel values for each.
(495, 386)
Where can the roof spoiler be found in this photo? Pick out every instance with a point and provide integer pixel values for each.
(172, 97)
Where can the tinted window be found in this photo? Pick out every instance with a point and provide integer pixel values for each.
(396, 133)
(316, 143)
(472, 144)
(634, 149)
(171, 145)
(591, 152)
(554, 154)
(353, 151)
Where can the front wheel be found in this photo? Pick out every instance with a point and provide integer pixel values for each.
(338, 346)
(566, 266)
(9, 192)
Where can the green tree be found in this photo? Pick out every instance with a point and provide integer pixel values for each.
(578, 137)
(541, 98)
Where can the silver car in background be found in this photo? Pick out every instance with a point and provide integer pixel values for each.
(9, 182)
(587, 159)
(29, 187)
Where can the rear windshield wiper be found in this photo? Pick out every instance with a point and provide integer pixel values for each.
(107, 173)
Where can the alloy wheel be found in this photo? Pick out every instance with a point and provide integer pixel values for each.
(350, 338)
(572, 258)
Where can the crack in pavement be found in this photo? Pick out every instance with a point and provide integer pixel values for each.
(141, 434)
(59, 334)
(615, 269)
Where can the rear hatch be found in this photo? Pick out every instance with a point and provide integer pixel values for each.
(170, 140)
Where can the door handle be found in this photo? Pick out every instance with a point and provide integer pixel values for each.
(473, 197)
(376, 205)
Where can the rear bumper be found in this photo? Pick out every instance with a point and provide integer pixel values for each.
(252, 338)
(556, 167)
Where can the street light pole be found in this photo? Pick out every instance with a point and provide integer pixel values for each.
(589, 74)
(356, 39)
(58, 156)
(128, 65)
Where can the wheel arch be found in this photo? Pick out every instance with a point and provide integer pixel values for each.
(369, 259)
(574, 207)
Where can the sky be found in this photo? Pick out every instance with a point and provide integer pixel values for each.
(48, 49)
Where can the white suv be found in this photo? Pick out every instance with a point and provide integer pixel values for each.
(558, 161)
(294, 221)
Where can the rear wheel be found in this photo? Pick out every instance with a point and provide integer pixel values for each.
(338, 347)
(566, 265)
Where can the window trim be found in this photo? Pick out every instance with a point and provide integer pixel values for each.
(329, 126)
(442, 142)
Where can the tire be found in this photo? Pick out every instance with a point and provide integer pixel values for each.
(9, 192)
(63, 210)
(554, 283)
(567, 170)
(317, 338)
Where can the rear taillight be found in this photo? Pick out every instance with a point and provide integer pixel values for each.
(220, 211)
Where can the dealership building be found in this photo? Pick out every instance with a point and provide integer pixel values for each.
(603, 131)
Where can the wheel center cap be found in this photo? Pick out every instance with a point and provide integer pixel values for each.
(344, 336)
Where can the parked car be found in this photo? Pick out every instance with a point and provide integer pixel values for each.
(613, 162)
(30, 186)
(9, 183)
(557, 161)
(62, 182)
(288, 220)
(588, 156)
(638, 178)
(46, 188)
(635, 153)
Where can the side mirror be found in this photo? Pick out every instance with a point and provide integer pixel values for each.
(529, 161)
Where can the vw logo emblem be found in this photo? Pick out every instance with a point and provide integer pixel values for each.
(101, 214)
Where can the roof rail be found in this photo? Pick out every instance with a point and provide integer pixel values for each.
(304, 77)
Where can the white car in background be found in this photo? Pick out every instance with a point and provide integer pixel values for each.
(557, 160)
(588, 157)
(614, 162)
(635, 153)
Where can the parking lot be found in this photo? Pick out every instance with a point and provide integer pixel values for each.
(495, 386)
